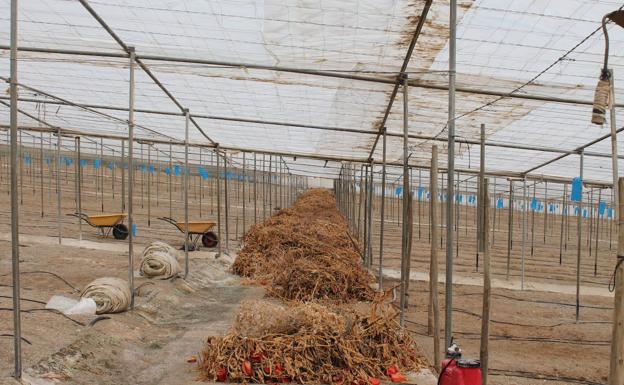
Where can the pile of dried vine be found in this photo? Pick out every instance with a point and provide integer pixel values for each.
(307, 343)
(306, 253)
(307, 258)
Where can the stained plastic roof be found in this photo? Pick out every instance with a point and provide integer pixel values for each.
(548, 48)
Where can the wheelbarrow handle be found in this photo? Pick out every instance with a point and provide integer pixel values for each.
(169, 220)
(82, 216)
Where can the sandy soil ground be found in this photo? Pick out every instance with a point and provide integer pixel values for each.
(533, 331)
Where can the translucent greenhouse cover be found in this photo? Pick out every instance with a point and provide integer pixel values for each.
(550, 48)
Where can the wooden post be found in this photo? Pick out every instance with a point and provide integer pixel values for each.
(487, 289)
(510, 227)
(563, 208)
(434, 305)
(616, 366)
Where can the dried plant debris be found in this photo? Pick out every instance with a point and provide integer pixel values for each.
(308, 343)
(306, 253)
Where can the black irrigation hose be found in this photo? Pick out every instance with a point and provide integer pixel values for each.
(543, 301)
(97, 319)
(496, 337)
(543, 377)
(527, 325)
(46, 272)
(43, 309)
(25, 299)
(13, 335)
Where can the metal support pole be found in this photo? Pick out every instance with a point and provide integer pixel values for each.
(448, 329)
(255, 196)
(41, 169)
(58, 186)
(578, 244)
(244, 206)
(382, 210)
(614, 146)
(15, 267)
(218, 201)
(226, 204)
(149, 185)
(406, 196)
(480, 207)
(533, 220)
(123, 176)
(434, 305)
(102, 173)
(369, 250)
(563, 211)
(186, 187)
(169, 177)
(79, 187)
(131, 176)
(524, 229)
(597, 233)
(510, 227)
(487, 284)
(616, 364)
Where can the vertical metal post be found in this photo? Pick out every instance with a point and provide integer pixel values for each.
(131, 175)
(524, 229)
(218, 201)
(264, 186)
(41, 169)
(563, 211)
(58, 185)
(406, 197)
(201, 192)
(369, 250)
(434, 304)
(597, 233)
(149, 185)
(382, 210)
(79, 187)
(510, 227)
(15, 268)
(255, 196)
(226, 204)
(186, 187)
(123, 176)
(244, 206)
(578, 244)
(169, 177)
(102, 172)
(448, 329)
(157, 170)
(614, 146)
(487, 283)
(533, 220)
(480, 207)
(616, 364)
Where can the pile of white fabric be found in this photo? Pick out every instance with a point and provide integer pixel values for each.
(160, 261)
(111, 295)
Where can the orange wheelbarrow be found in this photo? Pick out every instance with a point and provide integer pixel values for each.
(196, 230)
(106, 223)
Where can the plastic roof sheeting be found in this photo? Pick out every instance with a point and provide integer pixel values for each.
(548, 48)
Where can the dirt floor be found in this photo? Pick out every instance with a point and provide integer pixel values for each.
(533, 331)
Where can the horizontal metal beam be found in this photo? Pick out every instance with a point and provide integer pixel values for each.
(575, 151)
(317, 127)
(386, 79)
(333, 158)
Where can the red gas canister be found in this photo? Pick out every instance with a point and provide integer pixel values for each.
(460, 372)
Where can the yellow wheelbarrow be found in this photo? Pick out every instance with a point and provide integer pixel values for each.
(106, 223)
(196, 230)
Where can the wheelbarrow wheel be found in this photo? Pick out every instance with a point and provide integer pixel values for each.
(210, 239)
(120, 231)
